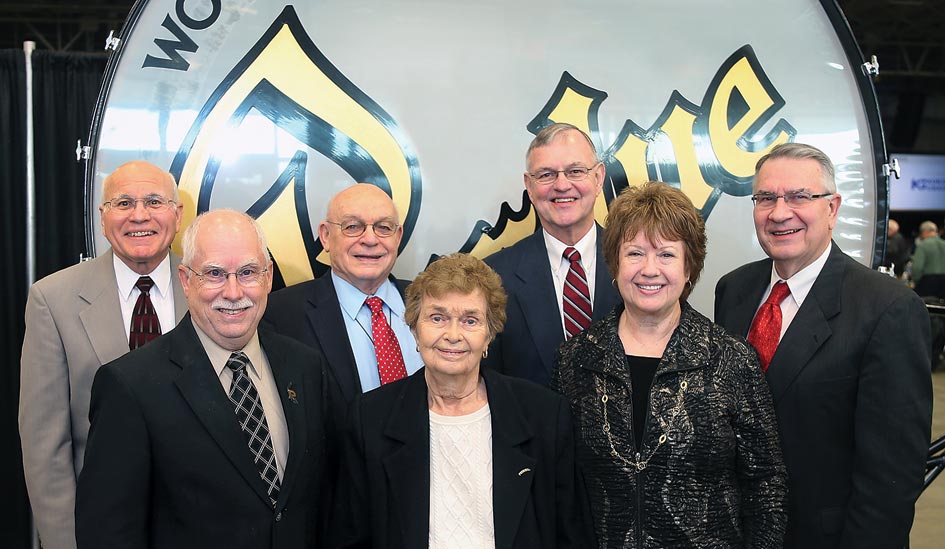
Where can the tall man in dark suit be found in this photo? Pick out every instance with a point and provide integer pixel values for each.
(332, 313)
(215, 435)
(554, 279)
(847, 359)
(80, 318)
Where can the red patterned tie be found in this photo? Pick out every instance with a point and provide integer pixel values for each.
(765, 331)
(145, 325)
(577, 297)
(390, 361)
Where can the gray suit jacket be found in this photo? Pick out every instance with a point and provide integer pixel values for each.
(73, 326)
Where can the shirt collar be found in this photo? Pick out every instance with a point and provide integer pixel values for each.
(126, 278)
(801, 283)
(352, 299)
(586, 246)
(218, 355)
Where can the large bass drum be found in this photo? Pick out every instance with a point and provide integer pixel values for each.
(271, 107)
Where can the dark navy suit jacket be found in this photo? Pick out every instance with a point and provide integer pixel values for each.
(851, 383)
(526, 347)
(309, 312)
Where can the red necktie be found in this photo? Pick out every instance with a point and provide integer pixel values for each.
(390, 362)
(765, 331)
(577, 297)
(145, 325)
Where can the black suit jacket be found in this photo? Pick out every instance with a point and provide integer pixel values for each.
(167, 465)
(533, 331)
(386, 468)
(852, 392)
(309, 312)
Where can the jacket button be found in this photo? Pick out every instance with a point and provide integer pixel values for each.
(278, 516)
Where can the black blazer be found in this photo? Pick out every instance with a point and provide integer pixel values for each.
(309, 312)
(852, 392)
(386, 468)
(167, 465)
(533, 332)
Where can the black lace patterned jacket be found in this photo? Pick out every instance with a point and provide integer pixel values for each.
(709, 473)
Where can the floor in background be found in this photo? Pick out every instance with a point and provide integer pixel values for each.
(928, 530)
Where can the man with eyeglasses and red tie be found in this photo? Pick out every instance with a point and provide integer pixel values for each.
(87, 315)
(355, 313)
(555, 282)
(846, 355)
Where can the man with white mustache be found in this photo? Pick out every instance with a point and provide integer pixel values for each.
(563, 179)
(87, 315)
(846, 355)
(216, 435)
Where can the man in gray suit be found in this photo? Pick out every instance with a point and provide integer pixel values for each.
(81, 318)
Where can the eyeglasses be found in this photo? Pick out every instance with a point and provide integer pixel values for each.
(214, 278)
(793, 199)
(574, 173)
(354, 228)
(155, 203)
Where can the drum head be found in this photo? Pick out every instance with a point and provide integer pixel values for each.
(272, 108)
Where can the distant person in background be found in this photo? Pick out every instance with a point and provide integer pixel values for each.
(897, 248)
(928, 262)
(82, 317)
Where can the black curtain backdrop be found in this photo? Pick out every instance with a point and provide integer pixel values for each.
(65, 87)
(14, 515)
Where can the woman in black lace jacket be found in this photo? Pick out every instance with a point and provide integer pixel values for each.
(675, 426)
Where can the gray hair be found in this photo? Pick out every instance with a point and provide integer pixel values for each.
(928, 226)
(548, 134)
(801, 151)
(189, 239)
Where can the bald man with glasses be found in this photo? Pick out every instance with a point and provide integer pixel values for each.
(355, 313)
(85, 316)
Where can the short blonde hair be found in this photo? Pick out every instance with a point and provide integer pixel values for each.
(463, 274)
(658, 211)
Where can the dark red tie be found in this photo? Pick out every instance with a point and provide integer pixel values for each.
(390, 361)
(577, 297)
(145, 325)
(765, 331)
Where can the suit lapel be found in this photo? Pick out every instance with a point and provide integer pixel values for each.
(749, 297)
(408, 467)
(605, 294)
(325, 317)
(103, 327)
(537, 300)
(289, 378)
(810, 328)
(513, 469)
(180, 300)
(201, 389)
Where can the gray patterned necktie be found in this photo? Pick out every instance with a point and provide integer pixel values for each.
(249, 412)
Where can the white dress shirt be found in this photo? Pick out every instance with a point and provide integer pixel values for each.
(587, 247)
(800, 285)
(162, 293)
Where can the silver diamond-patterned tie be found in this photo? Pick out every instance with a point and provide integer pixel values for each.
(249, 412)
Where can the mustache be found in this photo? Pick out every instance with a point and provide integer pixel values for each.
(244, 303)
